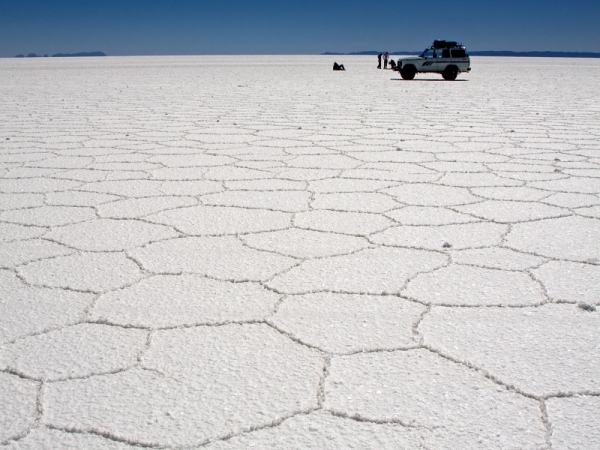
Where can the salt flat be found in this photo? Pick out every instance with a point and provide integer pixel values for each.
(229, 252)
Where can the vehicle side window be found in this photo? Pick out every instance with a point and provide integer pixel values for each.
(430, 53)
(459, 53)
(446, 53)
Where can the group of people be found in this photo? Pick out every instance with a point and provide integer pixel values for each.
(386, 59)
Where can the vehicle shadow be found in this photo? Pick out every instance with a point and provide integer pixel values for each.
(423, 79)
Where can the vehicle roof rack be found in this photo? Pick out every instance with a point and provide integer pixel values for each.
(438, 43)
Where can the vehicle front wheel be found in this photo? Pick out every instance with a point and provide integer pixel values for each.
(408, 72)
(450, 73)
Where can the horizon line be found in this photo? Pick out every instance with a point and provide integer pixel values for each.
(360, 53)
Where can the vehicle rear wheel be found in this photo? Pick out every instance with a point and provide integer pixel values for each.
(450, 73)
(408, 72)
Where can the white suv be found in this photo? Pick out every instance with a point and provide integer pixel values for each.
(444, 57)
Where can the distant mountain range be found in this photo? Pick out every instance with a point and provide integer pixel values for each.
(487, 53)
(63, 55)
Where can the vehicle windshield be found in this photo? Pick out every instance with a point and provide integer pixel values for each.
(422, 55)
(428, 53)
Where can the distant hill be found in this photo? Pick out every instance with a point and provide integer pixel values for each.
(63, 55)
(70, 55)
(537, 54)
(547, 54)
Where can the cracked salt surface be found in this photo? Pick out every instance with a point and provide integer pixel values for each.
(190, 259)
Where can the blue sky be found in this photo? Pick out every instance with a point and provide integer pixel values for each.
(174, 27)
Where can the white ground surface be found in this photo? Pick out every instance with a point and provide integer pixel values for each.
(234, 252)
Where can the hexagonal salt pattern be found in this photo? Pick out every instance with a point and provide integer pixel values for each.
(13, 254)
(471, 286)
(548, 350)
(359, 224)
(219, 220)
(75, 352)
(570, 282)
(139, 207)
(185, 300)
(496, 258)
(371, 271)
(257, 251)
(431, 195)
(48, 215)
(457, 236)
(110, 235)
(455, 405)
(305, 243)
(30, 310)
(360, 201)
(138, 406)
(201, 384)
(569, 238)
(342, 323)
(225, 258)
(325, 431)
(91, 272)
(428, 215)
(290, 201)
(512, 211)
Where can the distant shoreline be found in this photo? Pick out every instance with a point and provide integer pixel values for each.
(534, 54)
(540, 54)
(62, 55)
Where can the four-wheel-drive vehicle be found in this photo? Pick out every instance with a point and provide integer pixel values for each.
(447, 58)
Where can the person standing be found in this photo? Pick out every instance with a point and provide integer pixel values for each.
(379, 61)
(385, 60)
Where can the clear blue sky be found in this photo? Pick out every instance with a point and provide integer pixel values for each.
(171, 27)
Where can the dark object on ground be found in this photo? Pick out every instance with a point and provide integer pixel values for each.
(393, 64)
(32, 55)
(447, 245)
(337, 66)
(20, 55)
(450, 73)
(68, 55)
(587, 307)
(408, 72)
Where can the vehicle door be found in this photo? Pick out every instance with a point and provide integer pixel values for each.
(428, 60)
(443, 59)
